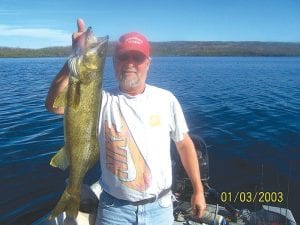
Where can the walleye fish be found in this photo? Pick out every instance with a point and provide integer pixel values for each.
(82, 102)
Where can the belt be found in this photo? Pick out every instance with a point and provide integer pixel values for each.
(147, 200)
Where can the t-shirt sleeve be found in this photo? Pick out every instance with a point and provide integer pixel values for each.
(178, 122)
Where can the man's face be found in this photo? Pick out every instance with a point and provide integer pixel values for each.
(131, 70)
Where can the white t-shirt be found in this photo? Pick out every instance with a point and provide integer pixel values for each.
(134, 137)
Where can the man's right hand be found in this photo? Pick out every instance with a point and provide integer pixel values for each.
(77, 40)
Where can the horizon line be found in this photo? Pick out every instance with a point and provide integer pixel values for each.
(154, 42)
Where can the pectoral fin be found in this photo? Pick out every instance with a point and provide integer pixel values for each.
(74, 95)
(60, 159)
(61, 99)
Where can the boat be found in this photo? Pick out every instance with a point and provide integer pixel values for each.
(217, 212)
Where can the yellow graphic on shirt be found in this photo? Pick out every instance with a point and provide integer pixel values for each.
(123, 155)
(154, 120)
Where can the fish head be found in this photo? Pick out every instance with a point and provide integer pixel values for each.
(95, 55)
(84, 42)
(90, 39)
(84, 67)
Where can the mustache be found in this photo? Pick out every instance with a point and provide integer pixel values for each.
(129, 70)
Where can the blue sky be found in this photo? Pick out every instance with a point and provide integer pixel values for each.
(38, 23)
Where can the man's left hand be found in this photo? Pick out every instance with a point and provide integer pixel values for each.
(198, 204)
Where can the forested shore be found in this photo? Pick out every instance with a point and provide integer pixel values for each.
(177, 48)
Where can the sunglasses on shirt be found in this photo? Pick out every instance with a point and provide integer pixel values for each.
(134, 56)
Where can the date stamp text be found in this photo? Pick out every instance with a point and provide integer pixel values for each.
(252, 197)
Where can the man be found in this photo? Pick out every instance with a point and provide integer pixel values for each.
(136, 123)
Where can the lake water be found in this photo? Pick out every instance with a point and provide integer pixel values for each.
(246, 108)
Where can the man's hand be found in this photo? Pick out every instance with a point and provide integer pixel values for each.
(76, 40)
(198, 204)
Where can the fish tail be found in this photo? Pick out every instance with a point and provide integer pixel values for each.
(68, 203)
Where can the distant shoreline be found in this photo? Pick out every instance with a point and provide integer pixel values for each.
(177, 48)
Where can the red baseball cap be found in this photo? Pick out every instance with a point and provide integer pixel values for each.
(133, 41)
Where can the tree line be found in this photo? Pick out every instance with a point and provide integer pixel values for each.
(177, 48)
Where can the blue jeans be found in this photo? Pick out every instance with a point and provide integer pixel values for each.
(113, 211)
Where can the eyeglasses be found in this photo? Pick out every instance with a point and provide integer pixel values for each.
(136, 57)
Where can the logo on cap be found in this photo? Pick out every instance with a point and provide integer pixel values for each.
(134, 40)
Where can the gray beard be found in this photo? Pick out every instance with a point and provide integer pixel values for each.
(129, 83)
